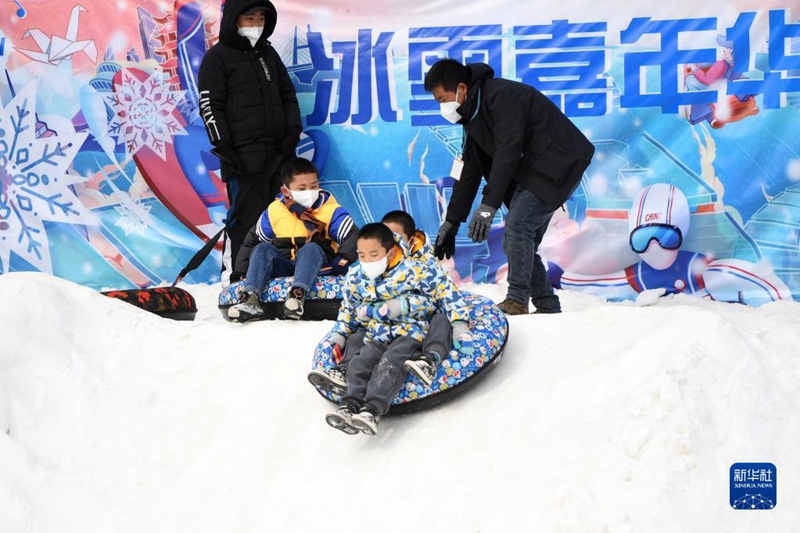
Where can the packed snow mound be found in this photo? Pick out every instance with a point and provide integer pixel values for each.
(607, 417)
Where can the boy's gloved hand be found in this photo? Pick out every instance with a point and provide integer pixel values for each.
(462, 338)
(296, 208)
(480, 223)
(390, 309)
(445, 245)
(339, 265)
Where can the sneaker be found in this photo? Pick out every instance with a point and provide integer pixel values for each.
(249, 309)
(512, 307)
(342, 420)
(293, 307)
(366, 422)
(422, 369)
(329, 380)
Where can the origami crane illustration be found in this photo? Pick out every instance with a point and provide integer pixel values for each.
(55, 49)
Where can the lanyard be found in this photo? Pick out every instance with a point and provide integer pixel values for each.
(465, 134)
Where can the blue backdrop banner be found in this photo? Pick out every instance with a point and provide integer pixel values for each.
(107, 179)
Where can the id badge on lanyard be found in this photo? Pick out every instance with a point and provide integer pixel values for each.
(455, 170)
(458, 161)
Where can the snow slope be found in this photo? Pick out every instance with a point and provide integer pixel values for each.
(605, 418)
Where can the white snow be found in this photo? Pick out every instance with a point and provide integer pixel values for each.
(605, 418)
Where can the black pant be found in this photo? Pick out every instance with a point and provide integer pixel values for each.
(440, 336)
(375, 374)
(249, 195)
(352, 346)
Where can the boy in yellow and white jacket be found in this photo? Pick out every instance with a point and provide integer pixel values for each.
(303, 232)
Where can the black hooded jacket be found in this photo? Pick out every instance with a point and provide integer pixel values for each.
(517, 136)
(247, 99)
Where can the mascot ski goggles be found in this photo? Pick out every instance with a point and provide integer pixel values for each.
(668, 237)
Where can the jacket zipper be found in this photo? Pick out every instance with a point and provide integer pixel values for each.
(264, 66)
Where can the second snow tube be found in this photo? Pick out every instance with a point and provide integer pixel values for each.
(166, 302)
(457, 373)
(321, 303)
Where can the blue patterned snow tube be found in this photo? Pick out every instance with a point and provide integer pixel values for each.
(457, 372)
(322, 302)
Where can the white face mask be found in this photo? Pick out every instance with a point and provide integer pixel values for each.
(305, 198)
(252, 33)
(375, 268)
(449, 110)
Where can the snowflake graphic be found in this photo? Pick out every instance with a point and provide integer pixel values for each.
(145, 113)
(34, 183)
(129, 220)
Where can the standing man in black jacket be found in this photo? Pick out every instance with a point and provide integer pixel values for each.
(532, 158)
(250, 110)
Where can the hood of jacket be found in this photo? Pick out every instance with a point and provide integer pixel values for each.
(479, 73)
(230, 13)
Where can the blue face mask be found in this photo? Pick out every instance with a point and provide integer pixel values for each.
(667, 236)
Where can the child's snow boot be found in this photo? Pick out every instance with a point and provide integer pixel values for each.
(293, 307)
(249, 309)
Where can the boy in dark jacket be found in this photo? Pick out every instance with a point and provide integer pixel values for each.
(532, 158)
(299, 233)
(250, 110)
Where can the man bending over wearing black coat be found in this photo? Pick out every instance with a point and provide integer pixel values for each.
(532, 158)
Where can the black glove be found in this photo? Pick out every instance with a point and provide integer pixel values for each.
(289, 147)
(445, 245)
(480, 223)
(228, 155)
(339, 266)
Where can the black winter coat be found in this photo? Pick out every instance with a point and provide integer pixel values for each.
(247, 99)
(518, 136)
